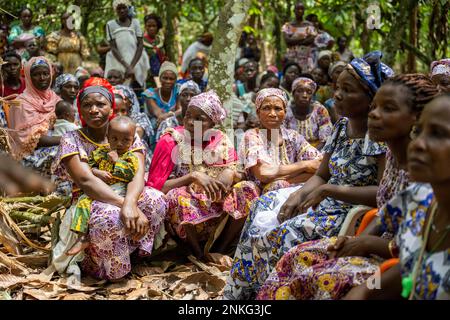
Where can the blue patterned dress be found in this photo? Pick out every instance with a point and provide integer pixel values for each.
(407, 212)
(258, 252)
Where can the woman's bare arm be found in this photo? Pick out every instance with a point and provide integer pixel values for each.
(48, 141)
(267, 173)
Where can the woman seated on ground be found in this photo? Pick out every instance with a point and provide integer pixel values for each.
(67, 87)
(307, 117)
(121, 220)
(421, 216)
(13, 82)
(188, 90)
(203, 190)
(162, 102)
(31, 121)
(348, 175)
(275, 157)
(343, 262)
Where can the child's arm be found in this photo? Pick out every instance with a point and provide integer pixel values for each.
(105, 176)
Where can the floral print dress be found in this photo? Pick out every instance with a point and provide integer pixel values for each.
(255, 148)
(108, 256)
(258, 252)
(306, 272)
(317, 126)
(410, 207)
(191, 206)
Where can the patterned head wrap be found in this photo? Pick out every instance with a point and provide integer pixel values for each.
(336, 65)
(269, 92)
(209, 102)
(304, 82)
(191, 85)
(324, 53)
(168, 66)
(440, 67)
(39, 62)
(120, 93)
(116, 3)
(96, 85)
(131, 96)
(81, 72)
(370, 71)
(62, 80)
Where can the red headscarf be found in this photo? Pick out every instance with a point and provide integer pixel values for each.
(93, 82)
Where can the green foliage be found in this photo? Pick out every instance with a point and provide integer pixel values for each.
(190, 18)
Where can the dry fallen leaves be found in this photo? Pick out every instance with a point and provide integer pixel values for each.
(21, 277)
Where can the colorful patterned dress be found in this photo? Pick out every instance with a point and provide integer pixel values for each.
(317, 126)
(258, 252)
(108, 256)
(123, 171)
(304, 55)
(410, 207)
(70, 51)
(306, 271)
(193, 207)
(255, 148)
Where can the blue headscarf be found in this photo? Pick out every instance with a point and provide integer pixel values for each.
(62, 80)
(371, 71)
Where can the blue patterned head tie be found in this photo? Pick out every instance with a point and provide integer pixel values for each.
(371, 71)
(39, 62)
(190, 85)
(62, 80)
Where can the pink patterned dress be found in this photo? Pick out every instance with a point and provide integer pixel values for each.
(255, 148)
(189, 205)
(317, 126)
(108, 256)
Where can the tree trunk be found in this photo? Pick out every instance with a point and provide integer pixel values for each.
(169, 37)
(412, 39)
(232, 17)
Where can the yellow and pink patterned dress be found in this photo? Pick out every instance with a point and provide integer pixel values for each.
(123, 171)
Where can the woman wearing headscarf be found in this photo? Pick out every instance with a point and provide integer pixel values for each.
(307, 117)
(348, 175)
(67, 87)
(197, 170)
(188, 90)
(125, 38)
(162, 102)
(275, 157)
(31, 121)
(440, 74)
(121, 220)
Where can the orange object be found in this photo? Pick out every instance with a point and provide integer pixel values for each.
(367, 219)
(386, 265)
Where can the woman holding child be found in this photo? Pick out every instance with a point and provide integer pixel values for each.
(31, 122)
(122, 219)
